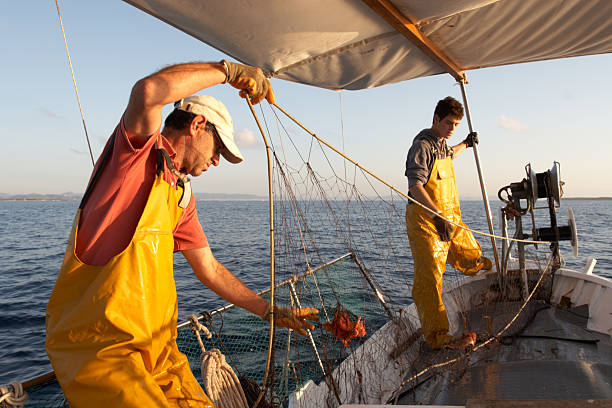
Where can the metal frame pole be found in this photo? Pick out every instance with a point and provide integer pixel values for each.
(521, 251)
(263, 292)
(272, 279)
(483, 188)
(379, 295)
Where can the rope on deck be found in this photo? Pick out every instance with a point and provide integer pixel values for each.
(13, 395)
(222, 384)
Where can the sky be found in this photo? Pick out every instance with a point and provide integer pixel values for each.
(534, 113)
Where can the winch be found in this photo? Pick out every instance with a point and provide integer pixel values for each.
(520, 199)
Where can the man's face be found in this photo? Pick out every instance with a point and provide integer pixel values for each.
(446, 126)
(204, 151)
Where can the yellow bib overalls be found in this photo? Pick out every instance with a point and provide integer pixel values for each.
(111, 330)
(430, 254)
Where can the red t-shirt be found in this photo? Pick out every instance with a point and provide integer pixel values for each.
(114, 207)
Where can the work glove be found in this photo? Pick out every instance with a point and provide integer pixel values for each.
(444, 228)
(250, 80)
(295, 319)
(471, 139)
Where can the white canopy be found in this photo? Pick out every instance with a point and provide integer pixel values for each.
(352, 44)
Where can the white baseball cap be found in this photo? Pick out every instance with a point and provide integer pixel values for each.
(216, 113)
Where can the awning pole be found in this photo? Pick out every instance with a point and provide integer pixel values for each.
(483, 188)
(272, 301)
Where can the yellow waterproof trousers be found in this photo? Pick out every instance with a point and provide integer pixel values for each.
(430, 254)
(111, 330)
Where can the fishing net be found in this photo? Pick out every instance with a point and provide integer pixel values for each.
(341, 247)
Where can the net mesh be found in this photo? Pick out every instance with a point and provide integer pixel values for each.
(243, 337)
(325, 206)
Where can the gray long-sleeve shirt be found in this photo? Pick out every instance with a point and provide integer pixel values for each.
(426, 148)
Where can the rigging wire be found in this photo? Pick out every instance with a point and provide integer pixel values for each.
(299, 219)
(59, 15)
(298, 215)
(342, 189)
(342, 134)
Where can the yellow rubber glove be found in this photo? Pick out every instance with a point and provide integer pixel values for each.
(295, 319)
(250, 80)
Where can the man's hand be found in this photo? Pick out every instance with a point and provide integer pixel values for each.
(471, 139)
(250, 80)
(295, 319)
(445, 229)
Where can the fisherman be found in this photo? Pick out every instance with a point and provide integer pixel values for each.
(434, 240)
(111, 319)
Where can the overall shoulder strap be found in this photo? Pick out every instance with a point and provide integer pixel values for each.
(182, 180)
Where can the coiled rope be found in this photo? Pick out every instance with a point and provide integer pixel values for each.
(221, 383)
(12, 395)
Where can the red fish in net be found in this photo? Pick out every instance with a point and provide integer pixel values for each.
(345, 325)
(467, 341)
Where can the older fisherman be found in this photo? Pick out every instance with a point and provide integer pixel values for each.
(111, 318)
(433, 240)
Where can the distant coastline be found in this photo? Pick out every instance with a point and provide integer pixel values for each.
(77, 197)
(228, 197)
(203, 197)
(41, 197)
(586, 198)
(562, 199)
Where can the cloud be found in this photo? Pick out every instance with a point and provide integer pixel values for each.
(246, 138)
(511, 124)
(77, 151)
(49, 113)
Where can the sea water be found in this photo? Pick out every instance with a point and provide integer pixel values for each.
(33, 237)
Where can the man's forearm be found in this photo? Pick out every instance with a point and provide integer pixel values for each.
(143, 115)
(178, 81)
(229, 287)
(458, 149)
(221, 281)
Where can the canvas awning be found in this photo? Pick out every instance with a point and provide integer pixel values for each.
(352, 44)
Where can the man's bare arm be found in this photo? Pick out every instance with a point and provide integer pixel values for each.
(469, 141)
(143, 115)
(221, 281)
(458, 149)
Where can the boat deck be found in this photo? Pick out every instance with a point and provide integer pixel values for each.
(549, 354)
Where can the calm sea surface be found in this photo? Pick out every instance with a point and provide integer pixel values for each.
(33, 237)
